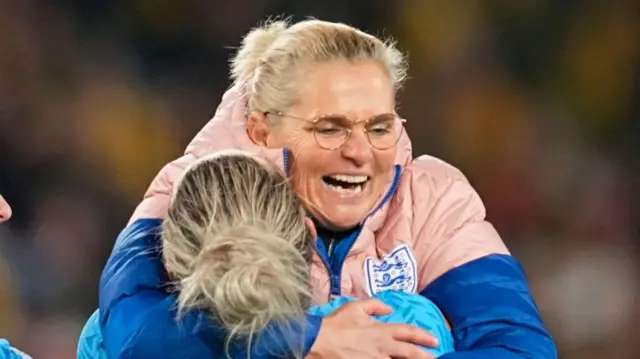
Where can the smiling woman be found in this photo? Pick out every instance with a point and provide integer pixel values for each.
(317, 99)
(345, 102)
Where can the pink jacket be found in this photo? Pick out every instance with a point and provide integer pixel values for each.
(434, 222)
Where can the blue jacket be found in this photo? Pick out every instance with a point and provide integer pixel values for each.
(487, 301)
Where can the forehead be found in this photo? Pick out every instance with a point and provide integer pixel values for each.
(354, 89)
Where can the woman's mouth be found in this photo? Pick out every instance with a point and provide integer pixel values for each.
(346, 184)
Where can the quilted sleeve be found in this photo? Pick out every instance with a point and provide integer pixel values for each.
(465, 268)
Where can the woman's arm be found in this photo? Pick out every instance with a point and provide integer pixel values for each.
(468, 272)
(138, 315)
(491, 310)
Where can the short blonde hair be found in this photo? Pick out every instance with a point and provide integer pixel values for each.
(236, 242)
(271, 56)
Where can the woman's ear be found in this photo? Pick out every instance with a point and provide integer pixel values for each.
(311, 226)
(258, 128)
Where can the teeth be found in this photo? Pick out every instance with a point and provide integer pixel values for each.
(355, 190)
(350, 179)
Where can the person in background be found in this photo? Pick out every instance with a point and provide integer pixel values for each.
(5, 210)
(317, 99)
(6, 351)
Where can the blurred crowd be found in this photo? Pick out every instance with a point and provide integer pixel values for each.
(536, 101)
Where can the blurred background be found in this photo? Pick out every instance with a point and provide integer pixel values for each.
(536, 101)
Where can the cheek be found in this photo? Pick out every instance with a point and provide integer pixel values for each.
(300, 146)
(385, 160)
(309, 163)
(308, 160)
(289, 136)
(299, 142)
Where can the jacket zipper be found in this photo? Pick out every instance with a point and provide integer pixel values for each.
(331, 247)
(334, 279)
(328, 270)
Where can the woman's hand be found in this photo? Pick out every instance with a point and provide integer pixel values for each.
(351, 333)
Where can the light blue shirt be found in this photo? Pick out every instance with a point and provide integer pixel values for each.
(7, 352)
(90, 345)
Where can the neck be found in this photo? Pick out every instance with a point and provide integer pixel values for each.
(326, 232)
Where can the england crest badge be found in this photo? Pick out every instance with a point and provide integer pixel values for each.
(396, 270)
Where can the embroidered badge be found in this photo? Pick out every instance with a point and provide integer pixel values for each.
(395, 271)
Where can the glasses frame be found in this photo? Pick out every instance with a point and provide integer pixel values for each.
(349, 131)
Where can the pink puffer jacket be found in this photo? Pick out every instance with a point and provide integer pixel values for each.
(433, 222)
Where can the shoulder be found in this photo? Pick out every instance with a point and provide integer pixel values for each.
(417, 310)
(434, 170)
(8, 352)
(436, 199)
(427, 181)
(135, 263)
(91, 343)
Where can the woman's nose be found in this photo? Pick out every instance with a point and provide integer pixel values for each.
(357, 149)
(5, 210)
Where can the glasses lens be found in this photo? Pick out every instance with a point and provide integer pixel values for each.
(331, 131)
(384, 131)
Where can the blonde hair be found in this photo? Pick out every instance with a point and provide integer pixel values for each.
(271, 56)
(236, 243)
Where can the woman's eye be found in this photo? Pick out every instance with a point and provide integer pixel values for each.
(328, 131)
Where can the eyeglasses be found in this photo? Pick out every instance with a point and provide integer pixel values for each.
(332, 131)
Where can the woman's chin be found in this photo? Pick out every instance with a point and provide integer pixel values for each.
(341, 218)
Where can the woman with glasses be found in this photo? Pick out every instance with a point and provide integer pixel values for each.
(317, 99)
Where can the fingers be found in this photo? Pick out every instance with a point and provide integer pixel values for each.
(372, 306)
(412, 334)
(398, 350)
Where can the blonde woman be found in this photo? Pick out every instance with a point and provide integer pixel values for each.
(239, 247)
(317, 99)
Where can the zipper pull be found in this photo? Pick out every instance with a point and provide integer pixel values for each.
(331, 246)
